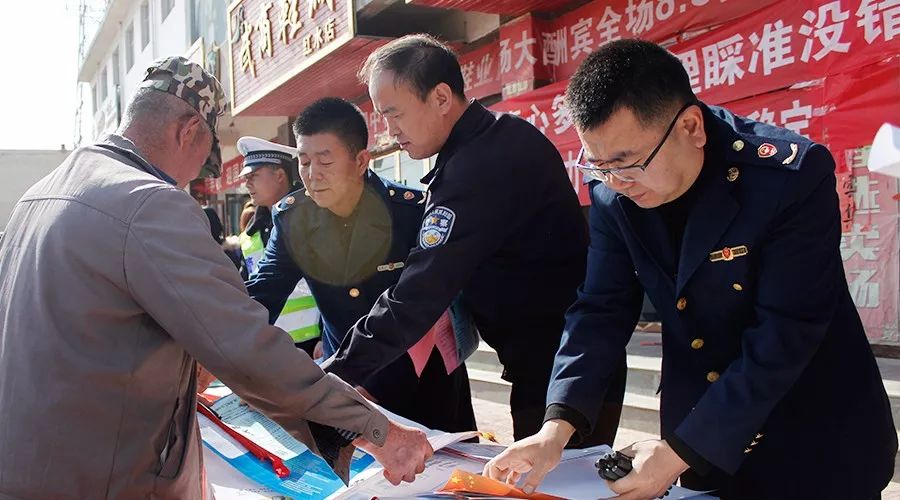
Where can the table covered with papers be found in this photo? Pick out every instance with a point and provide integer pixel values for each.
(233, 472)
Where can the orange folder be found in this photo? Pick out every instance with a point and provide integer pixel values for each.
(466, 482)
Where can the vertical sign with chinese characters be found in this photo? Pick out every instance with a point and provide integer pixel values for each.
(271, 41)
(870, 249)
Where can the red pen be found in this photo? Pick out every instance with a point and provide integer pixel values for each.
(256, 450)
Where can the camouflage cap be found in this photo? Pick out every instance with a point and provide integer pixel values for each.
(188, 81)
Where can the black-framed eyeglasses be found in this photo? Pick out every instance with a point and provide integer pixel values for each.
(626, 174)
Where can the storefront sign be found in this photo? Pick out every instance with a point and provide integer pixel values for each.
(272, 41)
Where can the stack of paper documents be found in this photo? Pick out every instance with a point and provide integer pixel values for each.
(233, 473)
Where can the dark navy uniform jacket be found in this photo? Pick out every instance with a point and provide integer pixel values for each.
(503, 227)
(304, 244)
(769, 386)
(348, 262)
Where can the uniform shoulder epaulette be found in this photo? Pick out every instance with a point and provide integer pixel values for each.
(404, 195)
(757, 143)
(289, 201)
(781, 152)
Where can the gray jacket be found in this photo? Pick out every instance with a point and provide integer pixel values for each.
(110, 288)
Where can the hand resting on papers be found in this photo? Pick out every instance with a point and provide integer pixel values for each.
(403, 454)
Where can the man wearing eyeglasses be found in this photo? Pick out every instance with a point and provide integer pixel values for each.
(769, 388)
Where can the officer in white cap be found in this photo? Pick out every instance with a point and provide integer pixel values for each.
(268, 176)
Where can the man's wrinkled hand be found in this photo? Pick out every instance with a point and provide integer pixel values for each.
(204, 378)
(403, 455)
(318, 350)
(655, 468)
(535, 456)
(366, 394)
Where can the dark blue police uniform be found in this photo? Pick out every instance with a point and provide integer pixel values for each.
(769, 386)
(347, 263)
(503, 231)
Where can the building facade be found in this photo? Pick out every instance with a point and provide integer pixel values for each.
(827, 69)
(21, 169)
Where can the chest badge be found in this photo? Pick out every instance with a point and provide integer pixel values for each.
(728, 253)
(390, 266)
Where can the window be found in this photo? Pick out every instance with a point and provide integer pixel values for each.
(196, 10)
(95, 97)
(145, 24)
(208, 20)
(411, 171)
(166, 7)
(103, 88)
(115, 68)
(129, 47)
(386, 166)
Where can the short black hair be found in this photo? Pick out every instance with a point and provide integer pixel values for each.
(420, 61)
(335, 116)
(635, 74)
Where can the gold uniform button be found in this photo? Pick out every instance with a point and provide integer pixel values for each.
(354, 292)
(737, 286)
(737, 145)
(733, 174)
(391, 192)
(681, 305)
(697, 344)
(712, 376)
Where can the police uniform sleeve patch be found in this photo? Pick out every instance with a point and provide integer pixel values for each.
(436, 227)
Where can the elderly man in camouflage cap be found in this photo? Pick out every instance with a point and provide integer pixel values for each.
(112, 288)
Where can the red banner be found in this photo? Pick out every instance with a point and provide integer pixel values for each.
(481, 71)
(787, 43)
(769, 45)
(565, 41)
(228, 178)
(861, 100)
(520, 54)
(801, 109)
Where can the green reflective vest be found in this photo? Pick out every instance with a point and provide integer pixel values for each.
(300, 316)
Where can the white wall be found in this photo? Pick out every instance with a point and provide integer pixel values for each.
(172, 37)
(20, 169)
(167, 37)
